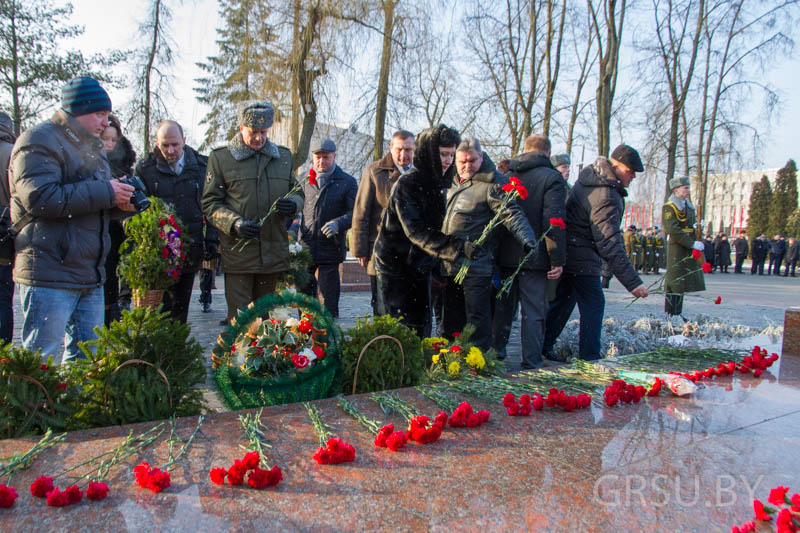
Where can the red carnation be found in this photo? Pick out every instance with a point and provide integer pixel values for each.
(441, 418)
(758, 507)
(275, 476)
(558, 223)
(56, 498)
(508, 187)
(74, 494)
(158, 480)
(162, 222)
(43, 367)
(96, 491)
(41, 486)
(217, 475)
(509, 399)
(236, 473)
(396, 441)
(7, 496)
(251, 460)
(456, 334)
(706, 268)
(784, 522)
(312, 176)
(258, 478)
(142, 472)
(383, 435)
(537, 403)
(5, 360)
(304, 327)
(300, 361)
(61, 386)
(515, 180)
(455, 349)
(697, 254)
(718, 300)
(522, 191)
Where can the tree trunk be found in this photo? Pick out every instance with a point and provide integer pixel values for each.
(552, 70)
(148, 72)
(383, 78)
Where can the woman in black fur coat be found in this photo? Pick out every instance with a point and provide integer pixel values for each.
(410, 241)
(121, 157)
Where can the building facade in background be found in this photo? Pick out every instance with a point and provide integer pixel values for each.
(728, 198)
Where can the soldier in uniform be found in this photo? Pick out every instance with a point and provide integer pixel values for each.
(627, 237)
(244, 179)
(638, 247)
(658, 250)
(683, 272)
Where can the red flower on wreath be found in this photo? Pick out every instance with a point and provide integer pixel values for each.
(300, 361)
(319, 352)
(305, 327)
(706, 267)
(558, 223)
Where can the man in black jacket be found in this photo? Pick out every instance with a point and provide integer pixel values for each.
(594, 214)
(546, 200)
(7, 139)
(474, 199)
(741, 248)
(760, 248)
(175, 173)
(777, 250)
(326, 217)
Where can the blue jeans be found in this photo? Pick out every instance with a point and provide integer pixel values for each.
(588, 294)
(52, 315)
(6, 304)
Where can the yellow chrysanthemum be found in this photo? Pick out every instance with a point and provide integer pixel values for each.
(454, 368)
(436, 359)
(475, 358)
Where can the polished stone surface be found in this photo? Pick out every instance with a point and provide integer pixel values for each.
(791, 331)
(667, 464)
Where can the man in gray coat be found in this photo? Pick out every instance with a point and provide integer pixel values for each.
(62, 197)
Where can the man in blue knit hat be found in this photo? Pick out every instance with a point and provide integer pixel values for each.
(62, 197)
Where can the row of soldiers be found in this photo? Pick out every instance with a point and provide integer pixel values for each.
(646, 248)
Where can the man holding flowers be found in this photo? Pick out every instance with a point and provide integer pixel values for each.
(244, 180)
(683, 271)
(594, 213)
(547, 193)
(474, 198)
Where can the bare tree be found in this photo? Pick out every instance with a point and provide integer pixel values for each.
(607, 23)
(553, 60)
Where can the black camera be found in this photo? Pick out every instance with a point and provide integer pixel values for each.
(139, 199)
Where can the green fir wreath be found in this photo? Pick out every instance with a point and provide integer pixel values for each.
(240, 391)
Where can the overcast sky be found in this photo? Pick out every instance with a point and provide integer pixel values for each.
(114, 25)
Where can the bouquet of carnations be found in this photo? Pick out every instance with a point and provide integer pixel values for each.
(272, 347)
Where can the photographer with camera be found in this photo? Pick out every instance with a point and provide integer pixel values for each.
(7, 139)
(175, 173)
(62, 197)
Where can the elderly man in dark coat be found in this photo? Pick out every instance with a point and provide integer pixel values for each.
(741, 247)
(594, 213)
(410, 241)
(326, 217)
(683, 271)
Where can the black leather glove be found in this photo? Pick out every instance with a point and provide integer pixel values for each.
(246, 229)
(286, 207)
(472, 250)
(211, 251)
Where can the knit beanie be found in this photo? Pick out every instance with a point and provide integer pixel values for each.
(83, 95)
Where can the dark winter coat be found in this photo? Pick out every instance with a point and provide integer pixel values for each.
(184, 193)
(741, 247)
(334, 201)
(241, 182)
(760, 249)
(6, 144)
(410, 238)
(683, 271)
(471, 204)
(373, 194)
(793, 252)
(547, 195)
(722, 253)
(59, 175)
(708, 251)
(777, 247)
(594, 213)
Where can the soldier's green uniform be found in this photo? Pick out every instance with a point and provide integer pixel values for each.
(660, 252)
(638, 250)
(244, 183)
(627, 237)
(683, 271)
